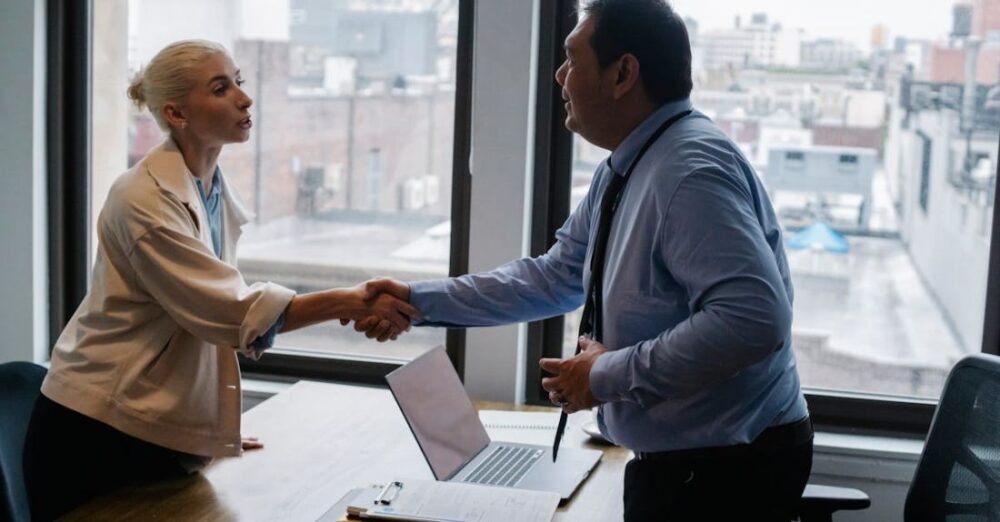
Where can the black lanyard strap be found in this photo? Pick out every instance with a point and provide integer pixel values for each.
(590, 323)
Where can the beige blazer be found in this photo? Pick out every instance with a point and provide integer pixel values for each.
(152, 348)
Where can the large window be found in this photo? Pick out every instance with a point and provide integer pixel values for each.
(348, 170)
(875, 130)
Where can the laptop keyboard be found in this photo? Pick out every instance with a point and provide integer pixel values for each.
(504, 466)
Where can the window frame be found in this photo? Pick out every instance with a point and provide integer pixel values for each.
(926, 157)
(839, 411)
(553, 157)
(991, 319)
(68, 144)
(69, 59)
(289, 362)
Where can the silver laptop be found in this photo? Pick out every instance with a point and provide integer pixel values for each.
(454, 441)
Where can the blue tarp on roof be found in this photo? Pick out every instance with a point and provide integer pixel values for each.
(819, 236)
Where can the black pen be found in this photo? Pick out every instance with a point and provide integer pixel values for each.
(559, 433)
(563, 415)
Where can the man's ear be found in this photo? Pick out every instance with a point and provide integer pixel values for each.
(174, 115)
(627, 75)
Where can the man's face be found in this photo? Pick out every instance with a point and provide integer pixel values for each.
(581, 79)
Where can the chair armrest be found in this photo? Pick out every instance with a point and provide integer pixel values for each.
(818, 502)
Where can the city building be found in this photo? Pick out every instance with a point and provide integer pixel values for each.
(757, 44)
(830, 53)
(945, 154)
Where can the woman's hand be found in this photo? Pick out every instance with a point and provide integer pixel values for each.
(251, 443)
(391, 315)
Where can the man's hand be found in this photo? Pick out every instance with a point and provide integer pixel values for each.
(390, 294)
(569, 385)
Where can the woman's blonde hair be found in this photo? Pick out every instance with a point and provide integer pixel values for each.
(168, 76)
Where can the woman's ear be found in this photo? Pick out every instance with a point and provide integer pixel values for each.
(627, 75)
(174, 115)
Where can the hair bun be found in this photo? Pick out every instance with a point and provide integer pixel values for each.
(135, 91)
(169, 76)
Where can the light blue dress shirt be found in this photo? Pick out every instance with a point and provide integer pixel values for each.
(697, 294)
(213, 208)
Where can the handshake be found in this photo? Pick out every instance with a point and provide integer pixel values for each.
(382, 310)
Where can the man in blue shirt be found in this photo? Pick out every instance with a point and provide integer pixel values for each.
(694, 370)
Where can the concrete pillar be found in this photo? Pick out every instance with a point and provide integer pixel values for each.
(502, 141)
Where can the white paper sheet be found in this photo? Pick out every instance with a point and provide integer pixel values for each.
(453, 501)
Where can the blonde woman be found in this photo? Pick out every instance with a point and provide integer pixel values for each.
(144, 382)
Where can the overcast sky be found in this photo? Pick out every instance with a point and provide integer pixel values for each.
(848, 19)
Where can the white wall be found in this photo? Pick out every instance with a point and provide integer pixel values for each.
(957, 274)
(864, 108)
(23, 264)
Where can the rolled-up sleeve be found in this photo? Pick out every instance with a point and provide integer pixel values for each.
(205, 295)
(714, 246)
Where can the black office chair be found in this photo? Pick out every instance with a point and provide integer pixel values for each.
(19, 386)
(958, 477)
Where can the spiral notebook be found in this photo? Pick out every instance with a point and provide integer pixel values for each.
(519, 420)
(523, 427)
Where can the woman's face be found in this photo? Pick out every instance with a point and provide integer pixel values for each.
(217, 110)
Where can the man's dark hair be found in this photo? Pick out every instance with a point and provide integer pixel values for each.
(652, 32)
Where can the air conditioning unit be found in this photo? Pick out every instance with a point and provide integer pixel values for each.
(412, 195)
(334, 177)
(432, 189)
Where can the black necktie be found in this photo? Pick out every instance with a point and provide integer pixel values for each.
(590, 323)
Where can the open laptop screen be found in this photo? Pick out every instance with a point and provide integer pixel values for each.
(439, 412)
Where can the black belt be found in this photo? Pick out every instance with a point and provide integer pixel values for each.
(774, 438)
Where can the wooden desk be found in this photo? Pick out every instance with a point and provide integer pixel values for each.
(320, 441)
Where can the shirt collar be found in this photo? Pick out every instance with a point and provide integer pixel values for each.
(166, 165)
(216, 186)
(622, 156)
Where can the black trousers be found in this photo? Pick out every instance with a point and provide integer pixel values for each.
(754, 482)
(70, 458)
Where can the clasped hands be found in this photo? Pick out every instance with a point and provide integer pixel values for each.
(569, 381)
(387, 310)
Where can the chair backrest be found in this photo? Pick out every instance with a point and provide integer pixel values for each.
(19, 386)
(958, 477)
